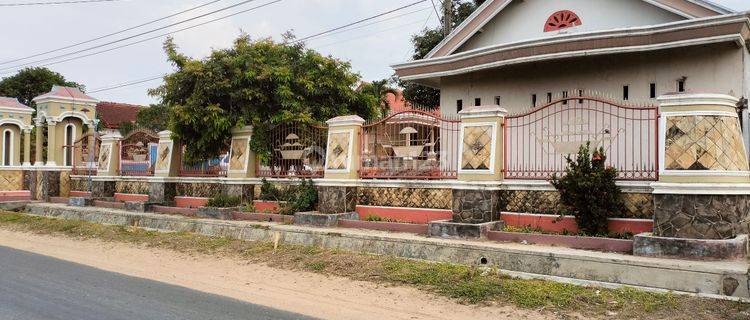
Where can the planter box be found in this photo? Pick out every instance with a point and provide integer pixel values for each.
(137, 206)
(215, 213)
(553, 223)
(190, 202)
(648, 245)
(84, 194)
(108, 204)
(270, 217)
(21, 195)
(412, 215)
(317, 219)
(187, 212)
(575, 242)
(265, 206)
(450, 229)
(125, 197)
(384, 226)
(80, 202)
(59, 200)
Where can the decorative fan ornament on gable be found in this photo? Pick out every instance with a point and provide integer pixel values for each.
(562, 20)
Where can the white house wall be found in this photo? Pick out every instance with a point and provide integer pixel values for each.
(714, 69)
(523, 20)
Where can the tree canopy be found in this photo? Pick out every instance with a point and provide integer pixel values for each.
(258, 83)
(427, 40)
(32, 82)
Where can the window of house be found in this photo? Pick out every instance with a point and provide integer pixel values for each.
(625, 92)
(580, 94)
(497, 100)
(459, 105)
(681, 85)
(549, 97)
(477, 102)
(652, 90)
(565, 96)
(533, 100)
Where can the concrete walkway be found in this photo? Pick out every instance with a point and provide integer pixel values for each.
(713, 279)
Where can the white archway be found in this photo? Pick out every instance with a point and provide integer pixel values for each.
(69, 138)
(7, 147)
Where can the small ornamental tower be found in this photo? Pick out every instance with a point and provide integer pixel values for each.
(69, 115)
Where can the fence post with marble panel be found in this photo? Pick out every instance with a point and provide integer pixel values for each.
(703, 192)
(109, 155)
(342, 163)
(241, 158)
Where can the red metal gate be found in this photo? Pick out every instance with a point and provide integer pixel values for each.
(537, 142)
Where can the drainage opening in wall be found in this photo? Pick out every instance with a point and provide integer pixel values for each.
(483, 261)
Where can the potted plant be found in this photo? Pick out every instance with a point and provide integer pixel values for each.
(220, 207)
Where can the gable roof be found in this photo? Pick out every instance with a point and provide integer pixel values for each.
(14, 104)
(112, 114)
(690, 9)
(65, 93)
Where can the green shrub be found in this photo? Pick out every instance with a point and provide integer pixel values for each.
(588, 191)
(224, 201)
(374, 218)
(269, 192)
(299, 198)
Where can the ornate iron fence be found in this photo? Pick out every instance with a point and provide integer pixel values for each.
(537, 142)
(410, 144)
(138, 153)
(85, 159)
(298, 150)
(215, 167)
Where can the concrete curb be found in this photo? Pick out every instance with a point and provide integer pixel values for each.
(695, 277)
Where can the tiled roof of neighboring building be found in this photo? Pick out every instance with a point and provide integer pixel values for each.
(13, 103)
(66, 93)
(112, 114)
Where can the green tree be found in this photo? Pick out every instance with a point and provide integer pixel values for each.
(256, 83)
(427, 40)
(380, 90)
(154, 118)
(32, 82)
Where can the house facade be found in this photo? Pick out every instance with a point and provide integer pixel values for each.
(526, 54)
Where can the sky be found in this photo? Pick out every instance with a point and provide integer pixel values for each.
(370, 48)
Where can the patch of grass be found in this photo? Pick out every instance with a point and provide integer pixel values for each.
(463, 283)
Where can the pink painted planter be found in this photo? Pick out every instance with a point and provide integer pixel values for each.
(575, 242)
(550, 223)
(18, 195)
(188, 212)
(412, 215)
(59, 200)
(264, 206)
(109, 204)
(384, 226)
(80, 194)
(270, 217)
(190, 202)
(125, 197)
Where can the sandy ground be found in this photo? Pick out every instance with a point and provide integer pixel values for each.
(310, 294)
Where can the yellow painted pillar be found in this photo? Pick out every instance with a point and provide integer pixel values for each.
(26, 147)
(481, 146)
(109, 155)
(39, 144)
(167, 156)
(52, 148)
(343, 158)
(241, 158)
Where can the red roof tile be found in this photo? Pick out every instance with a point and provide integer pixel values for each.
(112, 114)
(6, 102)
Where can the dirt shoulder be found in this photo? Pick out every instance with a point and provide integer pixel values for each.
(316, 295)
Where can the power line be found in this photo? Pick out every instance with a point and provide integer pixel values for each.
(372, 23)
(148, 39)
(129, 37)
(110, 34)
(125, 84)
(371, 34)
(358, 21)
(25, 4)
(318, 35)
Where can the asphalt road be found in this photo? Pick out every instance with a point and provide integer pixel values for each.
(39, 287)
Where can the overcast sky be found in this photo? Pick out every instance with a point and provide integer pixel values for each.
(371, 49)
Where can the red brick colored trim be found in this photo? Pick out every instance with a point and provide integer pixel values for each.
(384, 226)
(587, 243)
(190, 202)
(553, 223)
(411, 215)
(125, 197)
